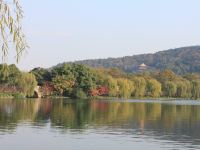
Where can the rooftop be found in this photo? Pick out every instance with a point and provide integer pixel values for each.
(142, 65)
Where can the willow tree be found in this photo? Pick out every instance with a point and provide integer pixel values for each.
(126, 88)
(153, 88)
(11, 15)
(26, 84)
(140, 86)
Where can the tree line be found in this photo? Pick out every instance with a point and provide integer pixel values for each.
(80, 81)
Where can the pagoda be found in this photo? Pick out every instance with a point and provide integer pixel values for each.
(142, 66)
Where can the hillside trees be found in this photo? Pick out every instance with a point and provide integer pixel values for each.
(180, 60)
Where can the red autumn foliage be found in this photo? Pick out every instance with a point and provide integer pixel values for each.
(94, 92)
(8, 89)
(103, 90)
(99, 91)
(47, 89)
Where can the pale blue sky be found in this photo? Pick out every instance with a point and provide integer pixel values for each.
(68, 30)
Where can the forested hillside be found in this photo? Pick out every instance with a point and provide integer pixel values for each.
(181, 60)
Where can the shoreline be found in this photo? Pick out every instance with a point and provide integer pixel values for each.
(19, 96)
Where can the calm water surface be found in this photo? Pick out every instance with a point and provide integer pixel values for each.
(99, 125)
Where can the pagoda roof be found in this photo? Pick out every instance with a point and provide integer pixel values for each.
(142, 65)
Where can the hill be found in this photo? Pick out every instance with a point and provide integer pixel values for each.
(180, 60)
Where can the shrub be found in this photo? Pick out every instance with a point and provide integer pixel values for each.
(18, 95)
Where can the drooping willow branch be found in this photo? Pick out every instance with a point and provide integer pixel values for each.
(11, 34)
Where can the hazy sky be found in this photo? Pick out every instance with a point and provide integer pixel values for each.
(68, 30)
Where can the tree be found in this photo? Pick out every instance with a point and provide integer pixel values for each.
(125, 88)
(140, 86)
(183, 89)
(11, 15)
(65, 69)
(196, 89)
(85, 78)
(9, 74)
(26, 84)
(166, 75)
(111, 83)
(42, 75)
(64, 84)
(170, 89)
(153, 88)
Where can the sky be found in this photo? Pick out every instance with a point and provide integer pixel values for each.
(69, 30)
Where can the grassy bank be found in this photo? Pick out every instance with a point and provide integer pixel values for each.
(11, 95)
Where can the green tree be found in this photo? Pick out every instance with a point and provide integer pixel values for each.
(166, 75)
(9, 74)
(85, 78)
(65, 69)
(183, 89)
(140, 86)
(196, 89)
(170, 89)
(125, 88)
(42, 75)
(153, 88)
(64, 84)
(26, 84)
(111, 83)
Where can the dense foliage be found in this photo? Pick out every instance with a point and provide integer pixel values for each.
(14, 82)
(79, 81)
(180, 60)
(75, 80)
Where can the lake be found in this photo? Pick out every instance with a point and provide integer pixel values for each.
(99, 125)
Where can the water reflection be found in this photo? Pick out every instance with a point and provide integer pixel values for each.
(160, 121)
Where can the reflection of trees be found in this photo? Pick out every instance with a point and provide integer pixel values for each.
(160, 118)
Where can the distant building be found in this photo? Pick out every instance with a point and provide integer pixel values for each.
(142, 66)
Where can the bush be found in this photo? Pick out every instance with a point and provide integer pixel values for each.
(12, 95)
(18, 95)
(6, 95)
